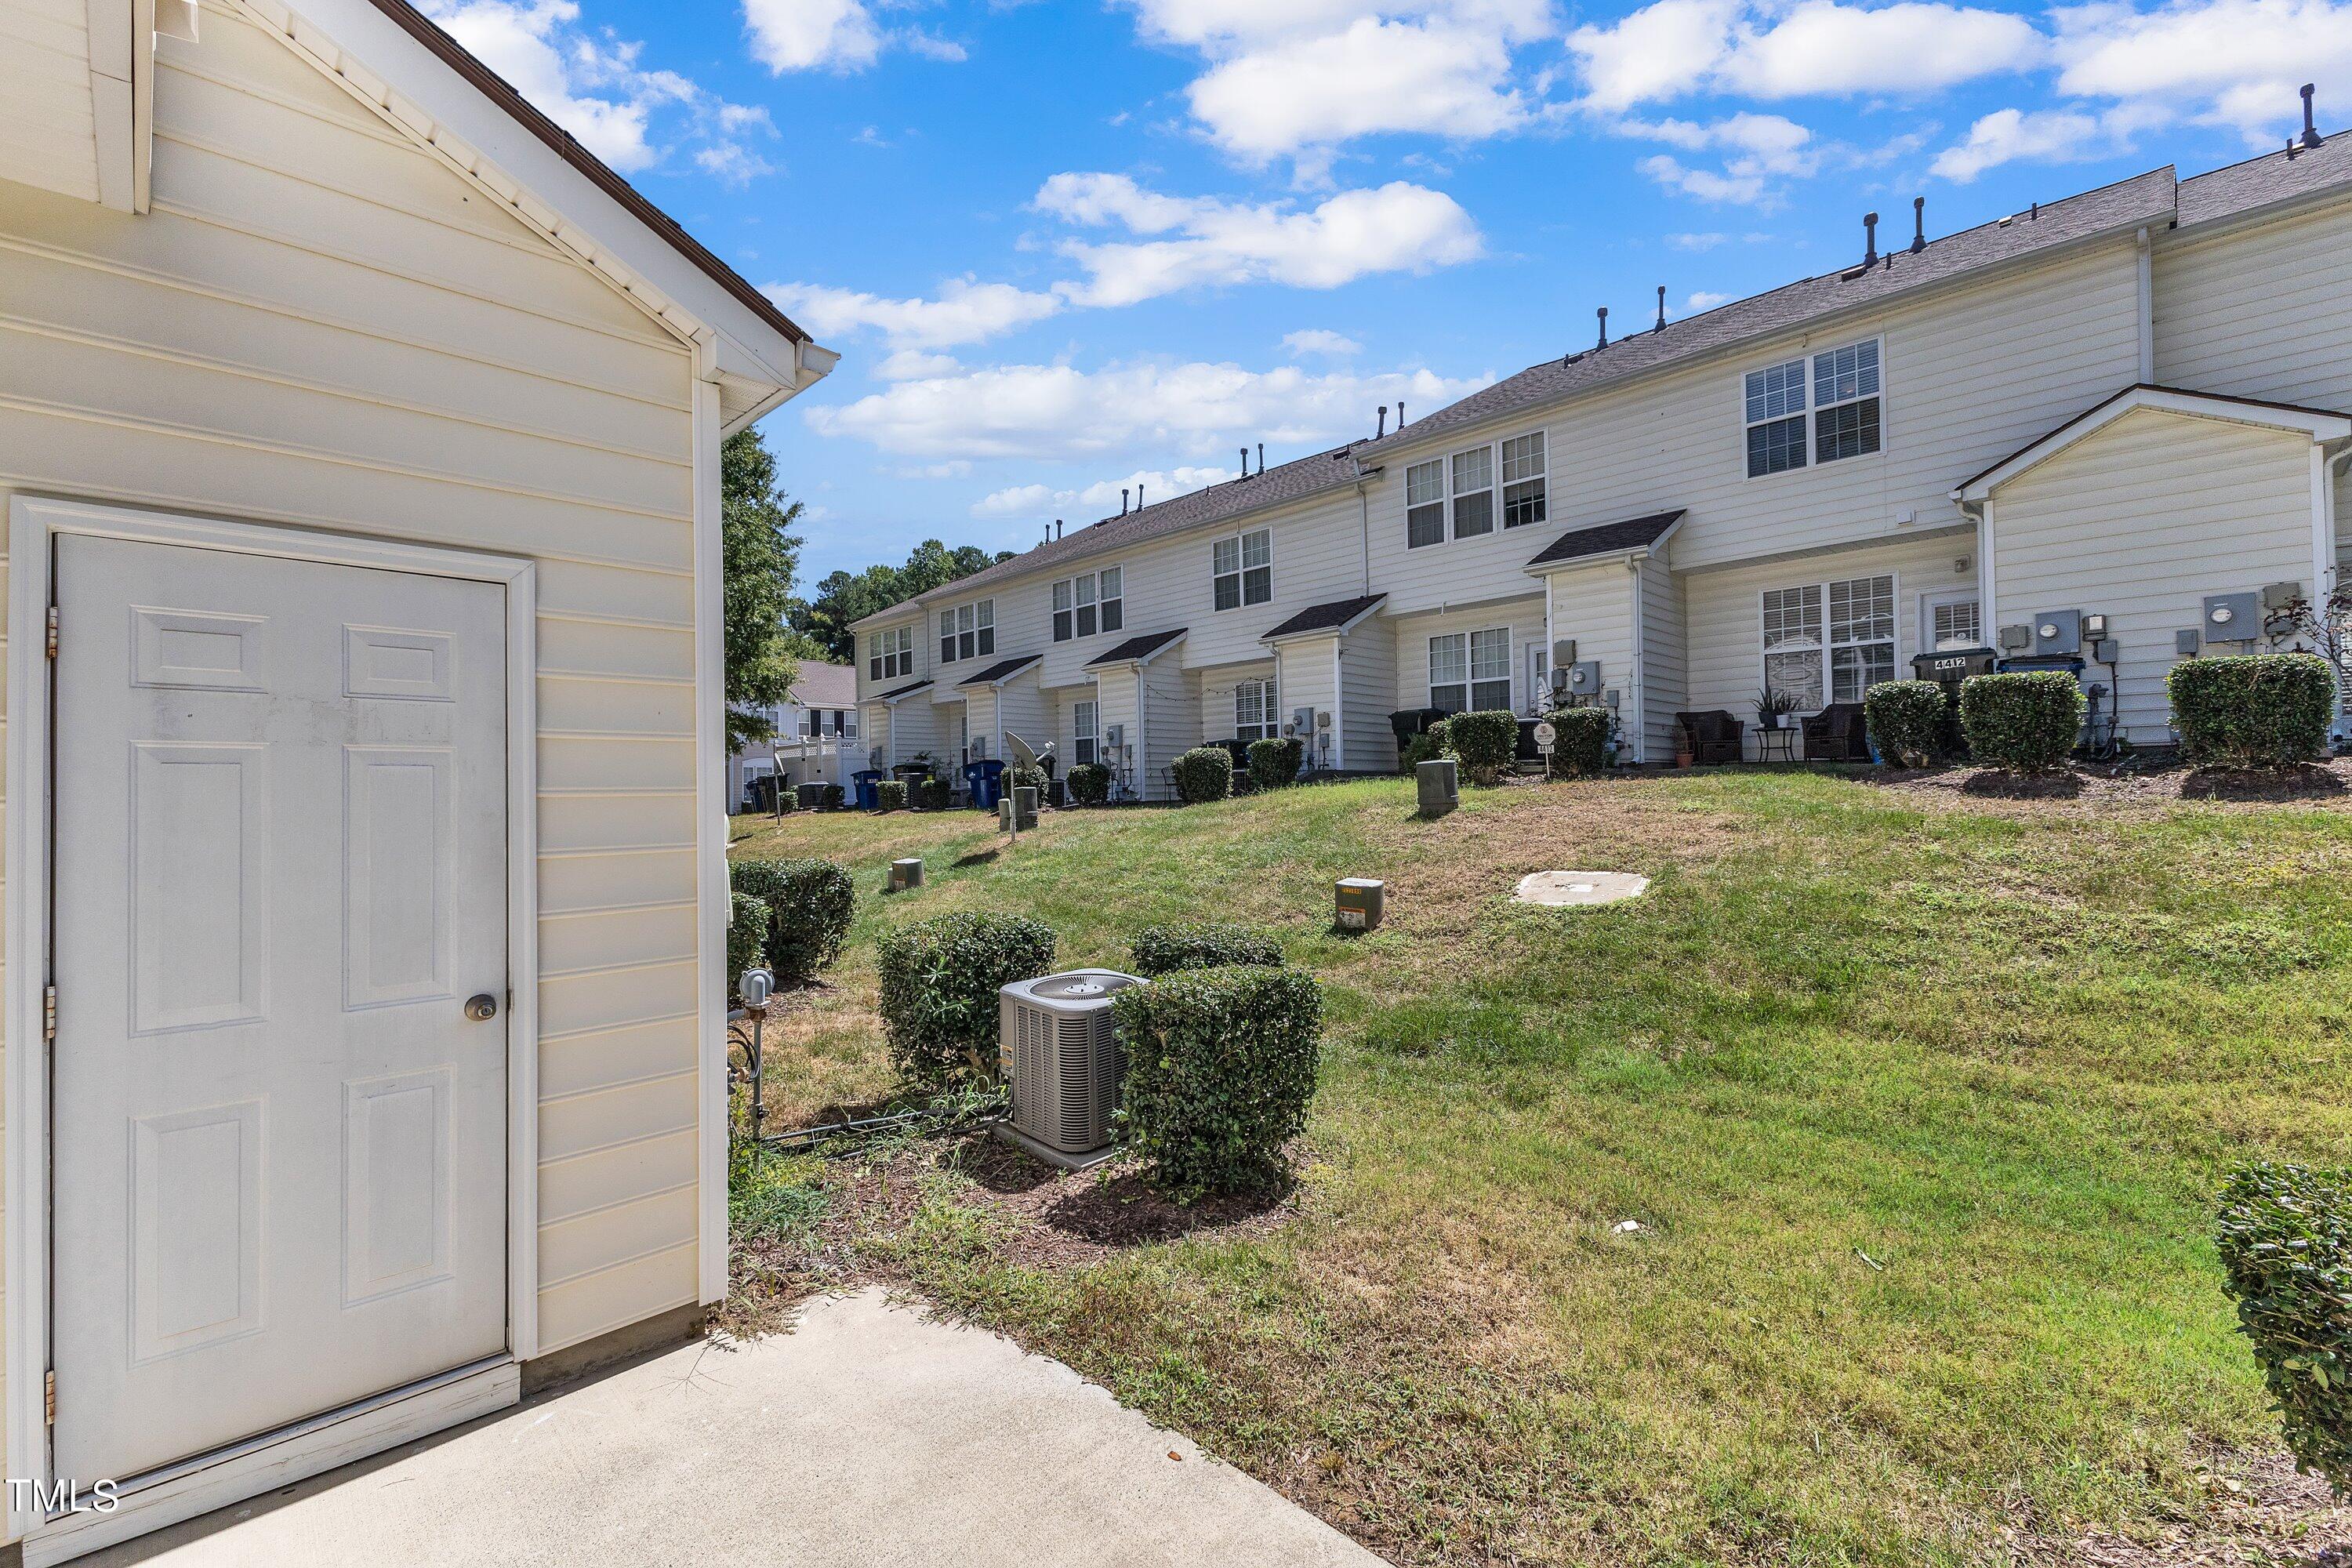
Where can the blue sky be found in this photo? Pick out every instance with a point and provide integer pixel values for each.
(1068, 248)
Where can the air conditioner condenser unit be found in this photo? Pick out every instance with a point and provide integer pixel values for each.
(1061, 1052)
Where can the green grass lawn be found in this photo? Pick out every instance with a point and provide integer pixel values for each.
(1920, 1103)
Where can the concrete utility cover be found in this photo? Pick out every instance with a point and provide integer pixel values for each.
(1555, 890)
(874, 1436)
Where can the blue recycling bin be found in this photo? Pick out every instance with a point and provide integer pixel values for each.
(985, 779)
(864, 779)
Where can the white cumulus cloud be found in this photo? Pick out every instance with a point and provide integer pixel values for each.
(965, 312)
(1320, 341)
(1089, 501)
(2234, 62)
(1058, 412)
(803, 35)
(2009, 135)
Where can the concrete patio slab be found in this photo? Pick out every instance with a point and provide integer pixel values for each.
(871, 1436)
(1568, 889)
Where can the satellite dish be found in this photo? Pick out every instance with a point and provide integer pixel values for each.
(1022, 756)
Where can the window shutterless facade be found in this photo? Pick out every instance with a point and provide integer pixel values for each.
(1826, 404)
(1456, 496)
(1089, 603)
(1470, 670)
(891, 655)
(1828, 642)
(1242, 570)
(1255, 713)
(968, 631)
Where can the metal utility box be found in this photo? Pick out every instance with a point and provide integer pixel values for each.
(2187, 641)
(1584, 678)
(1302, 721)
(2233, 617)
(2277, 596)
(1439, 790)
(2057, 633)
(1058, 1047)
(1563, 653)
(906, 874)
(1358, 902)
(2016, 639)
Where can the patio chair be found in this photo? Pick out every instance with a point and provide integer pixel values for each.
(1715, 735)
(1837, 734)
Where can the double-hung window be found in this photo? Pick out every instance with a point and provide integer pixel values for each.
(1523, 480)
(1470, 670)
(891, 655)
(1085, 740)
(1828, 642)
(1454, 496)
(1086, 603)
(1242, 570)
(1843, 420)
(1254, 711)
(968, 631)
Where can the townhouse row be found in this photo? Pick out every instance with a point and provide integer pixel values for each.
(2109, 429)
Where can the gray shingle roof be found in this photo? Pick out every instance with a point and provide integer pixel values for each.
(1142, 647)
(1294, 480)
(2265, 180)
(1001, 670)
(821, 685)
(1323, 617)
(905, 690)
(1606, 538)
(2143, 198)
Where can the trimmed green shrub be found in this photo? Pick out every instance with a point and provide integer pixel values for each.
(938, 794)
(1906, 720)
(786, 800)
(2285, 1240)
(940, 980)
(831, 799)
(1421, 748)
(1204, 773)
(746, 935)
(1026, 778)
(1485, 741)
(1581, 747)
(1204, 944)
(2253, 710)
(1273, 763)
(1090, 783)
(891, 794)
(809, 904)
(1221, 1066)
(2025, 723)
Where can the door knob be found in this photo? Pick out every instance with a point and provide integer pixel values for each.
(482, 1007)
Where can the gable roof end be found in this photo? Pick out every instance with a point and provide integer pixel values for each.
(1606, 539)
(2320, 424)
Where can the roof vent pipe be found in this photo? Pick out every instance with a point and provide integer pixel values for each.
(1261, 457)
(1382, 428)
(1604, 326)
(1399, 413)
(1245, 462)
(2311, 136)
(1122, 500)
(1662, 310)
(1138, 498)
(1919, 225)
(2035, 212)
(1870, 239)
(1058, 528)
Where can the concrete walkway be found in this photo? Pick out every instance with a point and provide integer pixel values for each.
(871, 1436)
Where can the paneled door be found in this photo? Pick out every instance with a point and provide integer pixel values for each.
(279, 1172)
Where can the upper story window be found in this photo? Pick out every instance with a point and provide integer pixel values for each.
(891, 655)
(1454, 497)
(1089, 603)
(968, 631)
(1842, 420)
(1471, 670)
(1828, 642)
(1243, 569)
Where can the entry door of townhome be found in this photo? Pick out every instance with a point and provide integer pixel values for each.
(279, 1182)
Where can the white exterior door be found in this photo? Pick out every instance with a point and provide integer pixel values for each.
(1950, 620)
(280, 1166)
(1538, 677)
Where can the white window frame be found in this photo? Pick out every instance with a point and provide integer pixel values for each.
(1829, 641)
(1268, 726)
(1809, 408)
(1929, 603)
(1089, 604)
(890, 654)
(1451, 491)
(1470, 680)
(1085, 731)
(968, 631)
(1240, 570)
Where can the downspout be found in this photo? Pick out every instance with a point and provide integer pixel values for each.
(2147, 270)
(1339, 712)
(1641, 712)
(1364, 509)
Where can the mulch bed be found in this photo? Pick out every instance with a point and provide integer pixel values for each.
(2146, 785)
(2253, 1510)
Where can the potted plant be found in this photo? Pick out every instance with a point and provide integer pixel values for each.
(1683, 751)
(1772, 706)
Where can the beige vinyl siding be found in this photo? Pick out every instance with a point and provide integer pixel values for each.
(321, 325)
(1307, 675)
(47, 119)
(1213, 694)
(2257, 310)
(1022, 709)
(1120, 695)
(1665, 663)
(2139, 523)
(1969, 374)
(1523, 619)
(1724, 609)
(1595, 604)
(1172, 716)
(981, 732)
(1368, 695)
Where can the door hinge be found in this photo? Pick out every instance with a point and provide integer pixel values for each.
(48, 1012)
(50, 1395)
(53, 631)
